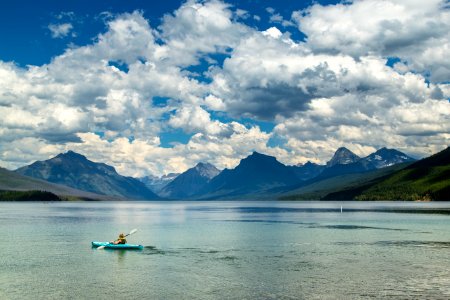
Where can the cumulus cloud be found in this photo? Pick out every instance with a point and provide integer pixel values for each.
(214, 103)
(199, 28)
(418, 32)
(195, 119)
(285, 76)
(113, 98)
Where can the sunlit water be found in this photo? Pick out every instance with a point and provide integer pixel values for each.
(223, 250)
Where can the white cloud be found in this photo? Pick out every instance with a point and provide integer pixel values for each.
(199, 28)
(195, 119)
(214, 103)
(60, 30)
(273, 32)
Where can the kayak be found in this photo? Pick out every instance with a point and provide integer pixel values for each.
(118, 246)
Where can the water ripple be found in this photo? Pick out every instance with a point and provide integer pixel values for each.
(430, 244)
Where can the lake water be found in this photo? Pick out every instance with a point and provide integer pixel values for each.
(224, 250)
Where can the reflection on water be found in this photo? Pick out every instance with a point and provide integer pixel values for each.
(232, 250)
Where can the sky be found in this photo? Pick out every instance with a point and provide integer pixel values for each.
(156, 87)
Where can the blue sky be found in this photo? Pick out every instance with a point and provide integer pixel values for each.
(153, 88)
(26, 39)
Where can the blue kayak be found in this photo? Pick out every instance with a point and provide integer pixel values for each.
(118, 246)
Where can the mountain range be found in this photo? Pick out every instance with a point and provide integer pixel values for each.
(345, 176)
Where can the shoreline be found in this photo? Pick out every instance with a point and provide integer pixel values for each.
(403, 207)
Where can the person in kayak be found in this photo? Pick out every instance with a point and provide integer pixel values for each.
(120, 240)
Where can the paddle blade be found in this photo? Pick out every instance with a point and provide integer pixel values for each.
(101, 247)
(132, 231)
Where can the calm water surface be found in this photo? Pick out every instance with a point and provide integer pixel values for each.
(224, 250)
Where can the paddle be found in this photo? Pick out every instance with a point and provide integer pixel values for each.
(131, 232)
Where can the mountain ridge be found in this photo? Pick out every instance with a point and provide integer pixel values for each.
(254, 174)
(12, 181)
(342, 156)
(76, 171)
(156, 184)
(189, 182)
